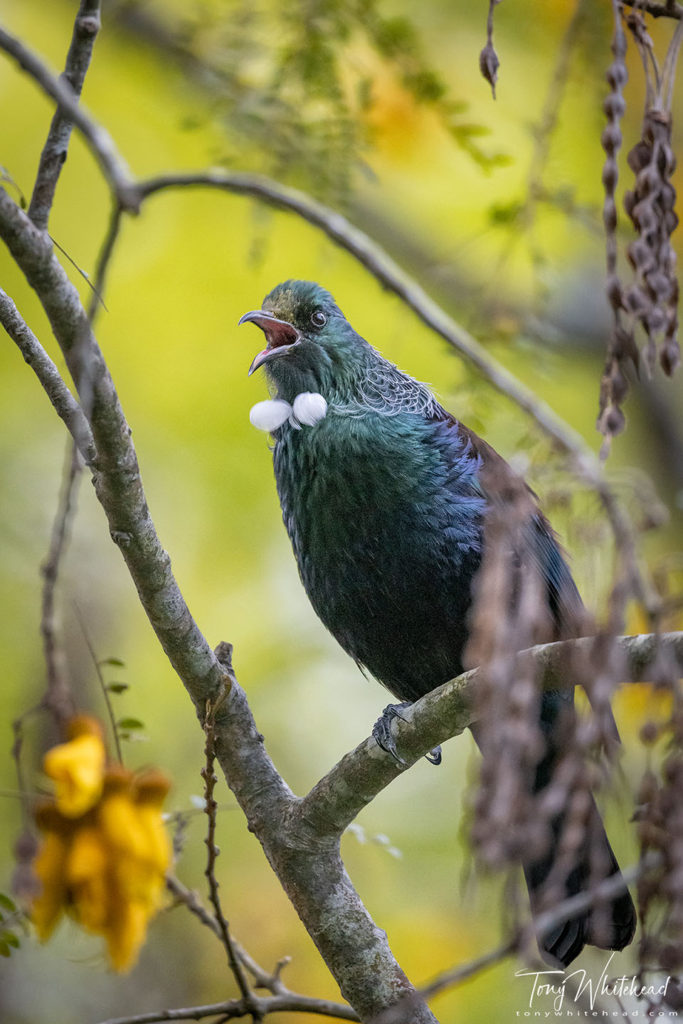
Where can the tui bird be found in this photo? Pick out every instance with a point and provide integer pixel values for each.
(384, 496)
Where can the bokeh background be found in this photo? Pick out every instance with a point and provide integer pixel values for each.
(460, 207)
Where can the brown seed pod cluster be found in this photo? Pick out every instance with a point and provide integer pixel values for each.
(510, 613)
(660, 830)
(650, 300)
(622, 346)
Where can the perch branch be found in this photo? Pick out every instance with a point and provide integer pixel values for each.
(355, 781)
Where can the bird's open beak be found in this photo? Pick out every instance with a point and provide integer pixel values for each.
(280, 336)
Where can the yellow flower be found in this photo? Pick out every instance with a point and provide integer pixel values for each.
(105, 864)
(126, 933)
(77, 767)
(49, 868)
(150, 791)
(87, 879)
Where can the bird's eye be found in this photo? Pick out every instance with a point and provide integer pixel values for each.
(318, 319)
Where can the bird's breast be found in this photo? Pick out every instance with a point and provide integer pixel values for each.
(383, 552)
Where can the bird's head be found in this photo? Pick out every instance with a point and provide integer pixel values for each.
(310, 345)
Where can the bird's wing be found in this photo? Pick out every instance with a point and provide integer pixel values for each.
(502, 488)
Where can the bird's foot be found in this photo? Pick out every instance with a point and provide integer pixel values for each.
(384, 737)
(382, 733)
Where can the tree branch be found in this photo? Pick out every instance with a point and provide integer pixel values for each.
(86, 27)
(210, 807)
(58, 697)
(310, 869)
(539, 926)
(334, 802)
(63, 402)
(263, 1005)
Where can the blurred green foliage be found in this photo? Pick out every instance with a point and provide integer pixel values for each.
(358, 102)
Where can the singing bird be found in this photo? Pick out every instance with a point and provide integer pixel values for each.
(384, 497)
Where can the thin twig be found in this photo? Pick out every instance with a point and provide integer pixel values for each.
(58, 697)
(210, 779)
(65, 405)
(567, 910)
(103, 686)
(262, 979)
(290, 1003)
(105, 254)
(86, 27)
(101, 143)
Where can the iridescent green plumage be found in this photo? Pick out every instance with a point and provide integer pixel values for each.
(384, 500)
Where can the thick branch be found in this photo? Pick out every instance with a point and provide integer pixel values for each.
(86, 27)
(355, 781)
(309, 868)
(115, 467)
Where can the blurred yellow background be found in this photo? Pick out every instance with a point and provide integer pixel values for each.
(183, 273)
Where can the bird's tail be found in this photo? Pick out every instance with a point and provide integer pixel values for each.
(611, 924)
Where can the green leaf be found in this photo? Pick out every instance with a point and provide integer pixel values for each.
(130, 723)
(117, 687)
(113, 661)
(7, 903)
(4, 949)
(10, 939)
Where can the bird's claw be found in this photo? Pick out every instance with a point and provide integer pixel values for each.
(382, 733)
(384, 737)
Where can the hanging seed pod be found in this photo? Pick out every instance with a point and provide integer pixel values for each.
(653, 296)
(650, 300)
(488, 58)
(621, 346)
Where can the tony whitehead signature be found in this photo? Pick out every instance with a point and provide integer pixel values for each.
(585, 986)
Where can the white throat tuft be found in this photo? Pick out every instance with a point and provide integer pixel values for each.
(308, 409)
